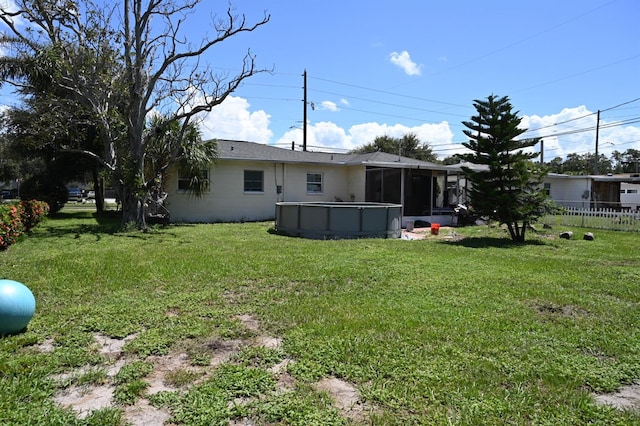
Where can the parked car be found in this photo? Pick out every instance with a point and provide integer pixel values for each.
(5, 194)
(75, 194)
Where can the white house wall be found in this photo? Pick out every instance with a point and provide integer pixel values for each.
(630, 196)
(226, 200)
(569, 191)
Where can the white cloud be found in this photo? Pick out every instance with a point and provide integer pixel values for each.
(403, 60)
(566, 137)
(233, 120)
(344, 102)
(330, 106)
(330, 135)
(320, 135)
(437, 135)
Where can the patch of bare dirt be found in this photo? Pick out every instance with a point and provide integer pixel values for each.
(46, 346)
(163, 365)
(286, 382)
(222, 351)
(626, 398)
(85, 399)
(144, 414)
(345, 397)
(268, 342)
(444, 233)
(110, 346)
(249, 322)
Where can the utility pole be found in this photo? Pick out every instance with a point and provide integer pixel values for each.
(541, 151)
(595, 168)
(304, 114)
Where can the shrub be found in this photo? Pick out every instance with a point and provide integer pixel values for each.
(15, 219)
(10, 225)
(32, 212)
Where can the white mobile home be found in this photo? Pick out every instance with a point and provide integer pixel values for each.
(594, 191)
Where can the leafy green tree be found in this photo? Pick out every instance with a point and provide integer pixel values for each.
(555, 165)
(167, 147)
(408, 146)
(584, 164)
(9, 164)
(70, 89)
(452, 159)
(509, 189)
(125, 66)
(35, 132)
(627, 161)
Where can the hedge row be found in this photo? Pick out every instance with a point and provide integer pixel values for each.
(18, 218)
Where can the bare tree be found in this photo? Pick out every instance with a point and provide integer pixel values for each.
(158, 71)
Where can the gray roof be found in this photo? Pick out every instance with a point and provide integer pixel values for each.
(623, 177)
(458, 167)
(241, 150)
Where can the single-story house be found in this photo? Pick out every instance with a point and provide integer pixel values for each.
(617, 192)
(248, 179)
(594, 191)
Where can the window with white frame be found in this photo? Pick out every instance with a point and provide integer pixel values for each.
(186, 178)
(314, 183)
(547, 188)
(253, 181)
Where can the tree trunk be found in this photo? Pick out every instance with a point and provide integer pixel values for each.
(132, 209)
(98, 190)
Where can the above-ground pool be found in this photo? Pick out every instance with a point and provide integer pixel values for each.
(326, 220)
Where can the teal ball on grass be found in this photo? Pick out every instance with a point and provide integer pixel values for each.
(17, 306)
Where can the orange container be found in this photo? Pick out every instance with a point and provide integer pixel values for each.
(435, 228)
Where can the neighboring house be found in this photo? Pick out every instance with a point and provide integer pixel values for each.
(249, 178)
(582, 191)
(594, 191)
(569, 190)
(630, 196)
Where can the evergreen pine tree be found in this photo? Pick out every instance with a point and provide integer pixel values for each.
(508, 189)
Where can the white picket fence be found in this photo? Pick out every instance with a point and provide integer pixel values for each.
(598, 218)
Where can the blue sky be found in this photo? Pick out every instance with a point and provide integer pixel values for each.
(382, 67)
(390, 68)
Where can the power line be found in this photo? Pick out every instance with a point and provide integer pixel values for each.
(391, 93)
(622, 104)
(581, 117)
(561, 122)
(388, 103)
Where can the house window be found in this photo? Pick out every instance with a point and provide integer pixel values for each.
(314, 183)
(632, 191)
(622, 191)
(185, 178)
(253, 181)
(547, 188)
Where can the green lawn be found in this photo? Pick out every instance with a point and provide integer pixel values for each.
(438, 331)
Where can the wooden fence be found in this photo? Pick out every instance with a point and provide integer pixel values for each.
(597, 218)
